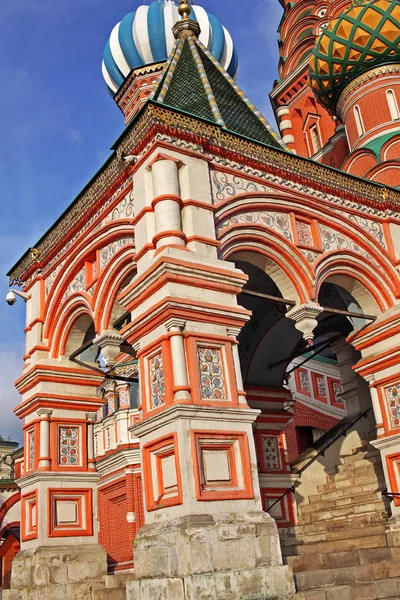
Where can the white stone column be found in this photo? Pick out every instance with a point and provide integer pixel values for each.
(238, 370)
(91, 417)
(44, 415)
(356, 394)
(167, 204)
(376, 405)
(175, 329)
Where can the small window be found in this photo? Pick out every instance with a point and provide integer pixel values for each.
(358, 120)
(322, 28)
(315, 141)
(394, 110)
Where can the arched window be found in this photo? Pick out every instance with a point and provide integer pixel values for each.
(315, 141)
(358, 120)
(394, 109)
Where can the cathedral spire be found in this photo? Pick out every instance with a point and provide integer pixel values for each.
(186, 26)
(184, 9)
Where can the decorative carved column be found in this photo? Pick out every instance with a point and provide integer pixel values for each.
(91, 418)
(181, 387)
(44, 463)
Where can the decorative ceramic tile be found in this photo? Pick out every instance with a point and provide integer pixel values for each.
(321, 388)
(304, 233)
(110, 404)
(337, 390)
(123, 394)
(212, 384)
(304, 381)
(393, 399)
(272, 459)
(31, 458)
(68, 446)
(157, 381)
(99, 415)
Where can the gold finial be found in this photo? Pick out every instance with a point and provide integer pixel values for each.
(184, 9)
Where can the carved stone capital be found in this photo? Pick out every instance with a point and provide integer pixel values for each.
(305, 318)
(109, 342)
(175, 324)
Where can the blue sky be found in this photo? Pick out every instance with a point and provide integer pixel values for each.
(57, 123)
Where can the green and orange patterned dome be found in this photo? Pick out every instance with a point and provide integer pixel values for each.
(365, 36)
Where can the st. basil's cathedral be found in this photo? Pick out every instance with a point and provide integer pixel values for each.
(210, 399)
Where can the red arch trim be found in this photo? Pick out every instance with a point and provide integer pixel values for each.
(362, 281)
(8, 504)
(237, 246)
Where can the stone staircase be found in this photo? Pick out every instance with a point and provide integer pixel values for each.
(340, 549)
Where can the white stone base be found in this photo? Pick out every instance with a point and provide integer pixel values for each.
(228, 557)
(59, 573)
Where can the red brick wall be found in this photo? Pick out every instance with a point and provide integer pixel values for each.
(305, 417)
(116, 533)
(12, 548)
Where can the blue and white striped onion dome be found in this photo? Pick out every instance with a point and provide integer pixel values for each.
(145, 36)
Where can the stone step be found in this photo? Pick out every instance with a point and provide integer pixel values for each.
(352, 472)
(355, 543)
(350, 466)
(327, 535)
(370, 590)
(347, 575)
(353, 499)
(379, 506)
(361, 455)
(354, 521)
(351, 482)
(338, 560)
(346, 492)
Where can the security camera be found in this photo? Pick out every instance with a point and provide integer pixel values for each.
(11, 298)
(129, 158)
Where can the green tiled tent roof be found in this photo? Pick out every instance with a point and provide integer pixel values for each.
(194, 82)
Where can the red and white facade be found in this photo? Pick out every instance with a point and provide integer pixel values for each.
(213, 259)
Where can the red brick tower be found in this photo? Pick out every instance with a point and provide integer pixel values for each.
(306, 126)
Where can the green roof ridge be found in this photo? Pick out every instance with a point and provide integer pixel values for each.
(182, 87)
(239, 114)
(194, 82)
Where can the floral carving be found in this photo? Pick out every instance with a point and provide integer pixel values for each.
(373, 228)
(333, 240)
(225, 185)
(304, 233)
(279, 222)
(108, 251)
